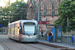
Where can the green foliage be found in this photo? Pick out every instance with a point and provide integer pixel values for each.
(22, 12)
(17, 9)
(66, 10)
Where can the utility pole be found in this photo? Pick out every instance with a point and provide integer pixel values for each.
(38, 14)
(9, 15)
(67, 24)
(67, 28)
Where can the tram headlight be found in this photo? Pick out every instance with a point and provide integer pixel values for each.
(35, 36)
(22, 36)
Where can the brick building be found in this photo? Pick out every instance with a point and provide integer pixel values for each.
(48, 6)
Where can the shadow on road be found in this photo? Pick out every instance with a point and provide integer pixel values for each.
(23, 42)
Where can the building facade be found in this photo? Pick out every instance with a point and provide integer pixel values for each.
(50, 7)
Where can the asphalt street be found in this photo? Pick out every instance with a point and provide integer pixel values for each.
(9, 44)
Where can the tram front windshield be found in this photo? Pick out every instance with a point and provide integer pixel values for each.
(29, 29)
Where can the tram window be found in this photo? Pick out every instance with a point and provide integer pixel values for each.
(29, 29)
(20, 30)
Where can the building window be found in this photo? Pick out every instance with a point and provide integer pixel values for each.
(56, 11)
(42, 12)
(56, 7)
(32, 13)
(42, 6)
(49, 12)
(49, 8)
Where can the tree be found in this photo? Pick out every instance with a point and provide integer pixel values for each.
(22, 12)
(66, 10)
(18, 9)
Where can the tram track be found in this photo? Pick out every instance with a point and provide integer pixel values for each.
(12, 44)
(17, 43)
(5, 47)
(27, 44)
(34, 47)
(8, 43)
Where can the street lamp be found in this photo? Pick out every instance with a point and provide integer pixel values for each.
(9, 16)
(0, 10)
(44, 13)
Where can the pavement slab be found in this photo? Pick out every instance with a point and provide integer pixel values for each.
(1, 47)
(62, 46)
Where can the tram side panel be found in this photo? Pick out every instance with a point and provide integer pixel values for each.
(17, 28)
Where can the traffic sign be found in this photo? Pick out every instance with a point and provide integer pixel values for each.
(1, 25)
(43, 22)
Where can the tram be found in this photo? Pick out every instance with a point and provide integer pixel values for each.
(23, 30)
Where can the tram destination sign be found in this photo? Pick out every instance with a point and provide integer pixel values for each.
(29, 23)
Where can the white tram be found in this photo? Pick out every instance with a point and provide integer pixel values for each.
(23, 30)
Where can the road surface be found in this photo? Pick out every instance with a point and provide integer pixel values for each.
(9, 44)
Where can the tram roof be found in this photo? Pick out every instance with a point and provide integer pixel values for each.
(23, 21)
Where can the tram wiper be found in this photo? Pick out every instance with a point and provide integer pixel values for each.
(27, 34)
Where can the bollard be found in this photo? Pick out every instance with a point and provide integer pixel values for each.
(72, 39)
(47, 38)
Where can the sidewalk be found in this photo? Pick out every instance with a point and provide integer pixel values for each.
(1, 47)
(62, 46)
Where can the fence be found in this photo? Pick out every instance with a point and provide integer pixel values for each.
(43, 38)
(3, 30)
(65, 38)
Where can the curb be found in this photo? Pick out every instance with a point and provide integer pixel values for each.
(57, 46)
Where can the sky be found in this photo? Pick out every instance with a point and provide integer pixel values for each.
(2, 2)
(25, 0)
